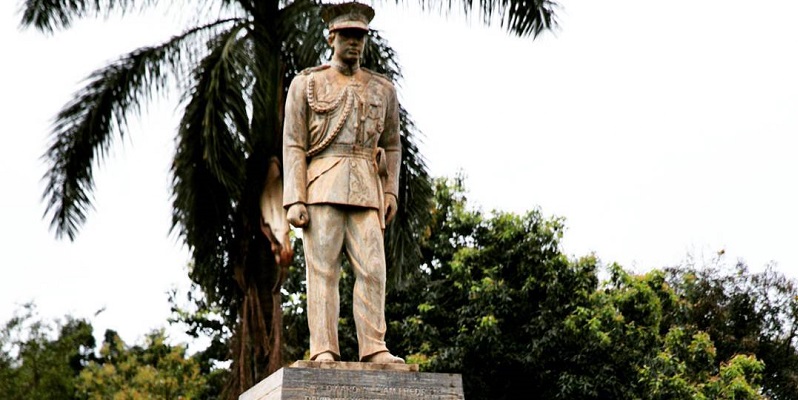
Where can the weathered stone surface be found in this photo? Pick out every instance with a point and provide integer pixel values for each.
(357, 366)
(308, 380)
(342, 154)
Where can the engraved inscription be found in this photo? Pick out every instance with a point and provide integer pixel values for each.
(340, 392)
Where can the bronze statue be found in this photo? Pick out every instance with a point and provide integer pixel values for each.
(341, 155)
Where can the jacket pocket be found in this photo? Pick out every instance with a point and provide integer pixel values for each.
(376, 115)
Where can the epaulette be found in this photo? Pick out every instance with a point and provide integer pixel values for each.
(307, 71)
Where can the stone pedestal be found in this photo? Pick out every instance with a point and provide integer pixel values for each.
(311, 380)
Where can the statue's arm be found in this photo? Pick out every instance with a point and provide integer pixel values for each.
(295, 144)
(391, 142)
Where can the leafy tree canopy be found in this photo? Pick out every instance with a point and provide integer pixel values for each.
(59, 360)
(498, 302)
(40, 360)
(154, 370)
(744, 312)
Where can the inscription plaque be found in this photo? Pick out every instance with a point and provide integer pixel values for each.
(338, 381)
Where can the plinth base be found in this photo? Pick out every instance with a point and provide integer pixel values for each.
(311, 380)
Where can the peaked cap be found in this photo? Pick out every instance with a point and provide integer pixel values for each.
(351, 15)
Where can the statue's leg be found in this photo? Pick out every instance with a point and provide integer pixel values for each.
(363, 245)
(323, 241)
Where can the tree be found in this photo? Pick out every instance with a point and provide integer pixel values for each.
(33, 364)
(233, 69)
(156, 370)
(58, 360)
(498, 302)
(745, 313)
(682, 369)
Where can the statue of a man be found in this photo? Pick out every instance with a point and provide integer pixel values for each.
(341, 152)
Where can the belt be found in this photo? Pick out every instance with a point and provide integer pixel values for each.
(347, 150)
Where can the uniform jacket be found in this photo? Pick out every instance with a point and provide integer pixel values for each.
(334, 141)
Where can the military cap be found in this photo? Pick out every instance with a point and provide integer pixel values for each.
(351, 15)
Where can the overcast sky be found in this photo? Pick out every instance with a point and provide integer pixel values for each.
(657, 129)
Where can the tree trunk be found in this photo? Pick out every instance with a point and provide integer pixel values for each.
(265, 250)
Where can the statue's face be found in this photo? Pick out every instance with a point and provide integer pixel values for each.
(348, 45)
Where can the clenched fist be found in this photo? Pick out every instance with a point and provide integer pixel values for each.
(298, 215)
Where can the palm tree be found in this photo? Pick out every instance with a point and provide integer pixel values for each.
(233, 69)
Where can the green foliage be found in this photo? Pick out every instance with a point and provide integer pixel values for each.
(668, 375)
(202, 320)
(40, 360)
(745, 313)
(33, 364)
(681, 370)
(734, 380)
(156, 370)
(497, 301)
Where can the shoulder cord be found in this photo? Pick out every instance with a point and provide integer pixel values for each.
(344, 96)
(314, 105)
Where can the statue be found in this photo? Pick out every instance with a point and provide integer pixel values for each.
(341, 157)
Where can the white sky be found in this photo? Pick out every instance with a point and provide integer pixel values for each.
(655, 128)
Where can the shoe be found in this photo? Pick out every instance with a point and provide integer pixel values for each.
(384, 357)
(325, 357)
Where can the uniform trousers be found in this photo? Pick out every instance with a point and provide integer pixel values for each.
(356, 232)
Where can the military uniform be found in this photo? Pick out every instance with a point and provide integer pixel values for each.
(341, 156)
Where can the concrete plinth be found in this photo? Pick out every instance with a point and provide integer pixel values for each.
(311, 380)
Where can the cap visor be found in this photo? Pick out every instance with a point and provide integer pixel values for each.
(350, 25)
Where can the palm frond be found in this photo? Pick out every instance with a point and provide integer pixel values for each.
(378, 56)
(207, 10)
(49, 15)
(209, 165)
(304, 44)
(84, 129)
(519, 17)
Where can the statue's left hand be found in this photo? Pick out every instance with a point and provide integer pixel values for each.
(390, 207)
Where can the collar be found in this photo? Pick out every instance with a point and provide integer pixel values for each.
(348, 70)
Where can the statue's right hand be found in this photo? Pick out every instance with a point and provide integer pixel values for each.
(298, 215)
